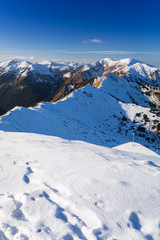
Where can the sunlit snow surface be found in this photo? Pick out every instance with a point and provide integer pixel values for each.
(52, 188)
(89, 114)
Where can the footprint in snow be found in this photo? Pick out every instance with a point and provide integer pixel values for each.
(68, 237)
(2, 236)
(153, 164)
(18, 214)
(149, 237)
(23, 237)
(25, 177)
(13, 230)
(124, 183)
(135, 222)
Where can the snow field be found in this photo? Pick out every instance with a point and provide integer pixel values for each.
(53, 188)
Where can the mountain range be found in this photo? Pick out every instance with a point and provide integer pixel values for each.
(105, 102)
(75, 163)
(23, 83)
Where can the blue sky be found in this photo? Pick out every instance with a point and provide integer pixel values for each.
(81, 29)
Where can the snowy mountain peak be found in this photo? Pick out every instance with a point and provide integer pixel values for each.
(52, 81)
(78, 168)
(14, 64)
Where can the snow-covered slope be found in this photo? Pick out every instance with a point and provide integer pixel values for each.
(105, 115)
(132, 68)
(24, 83)
(53, 185)
(128, 68)
(89, 114)
(53, 188)
(19, 66)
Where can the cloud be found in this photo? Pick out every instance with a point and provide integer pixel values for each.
(19, 57)
(31, 58)
(105, 52)
(92, 41)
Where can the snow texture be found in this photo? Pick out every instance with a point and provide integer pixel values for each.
(89, 114)
(59, 178)
(53, 188)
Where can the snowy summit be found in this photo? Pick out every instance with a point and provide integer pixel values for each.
(69, 167)
(52, 188)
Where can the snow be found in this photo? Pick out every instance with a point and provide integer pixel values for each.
(53, 188)
(107, 61)
(89, 114)
(137, 70)
(59, 177)
(123, 90)
(136, 148)
(15, 65)
(142, 70)
(132, 109)
(128, 69)
(67, 75)
(42, 68)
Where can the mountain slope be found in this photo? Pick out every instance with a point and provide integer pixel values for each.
(53, 188)
(89, 114)
(106, 113)
(59, 179)
(25, 84)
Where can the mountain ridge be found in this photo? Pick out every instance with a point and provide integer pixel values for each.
(99, 99)
(90, 115)
(51, 81)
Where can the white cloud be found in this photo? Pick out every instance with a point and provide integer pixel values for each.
(92, 41)
(31, 58)
(96, 41)
(105, 52)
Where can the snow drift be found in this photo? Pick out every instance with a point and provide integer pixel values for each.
(53, 188)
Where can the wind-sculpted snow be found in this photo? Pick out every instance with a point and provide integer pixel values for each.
(54, 186)
(125, 91)
(105, 115)
(89, 114)
(58, 189)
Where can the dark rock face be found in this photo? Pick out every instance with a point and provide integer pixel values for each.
(25, 92)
